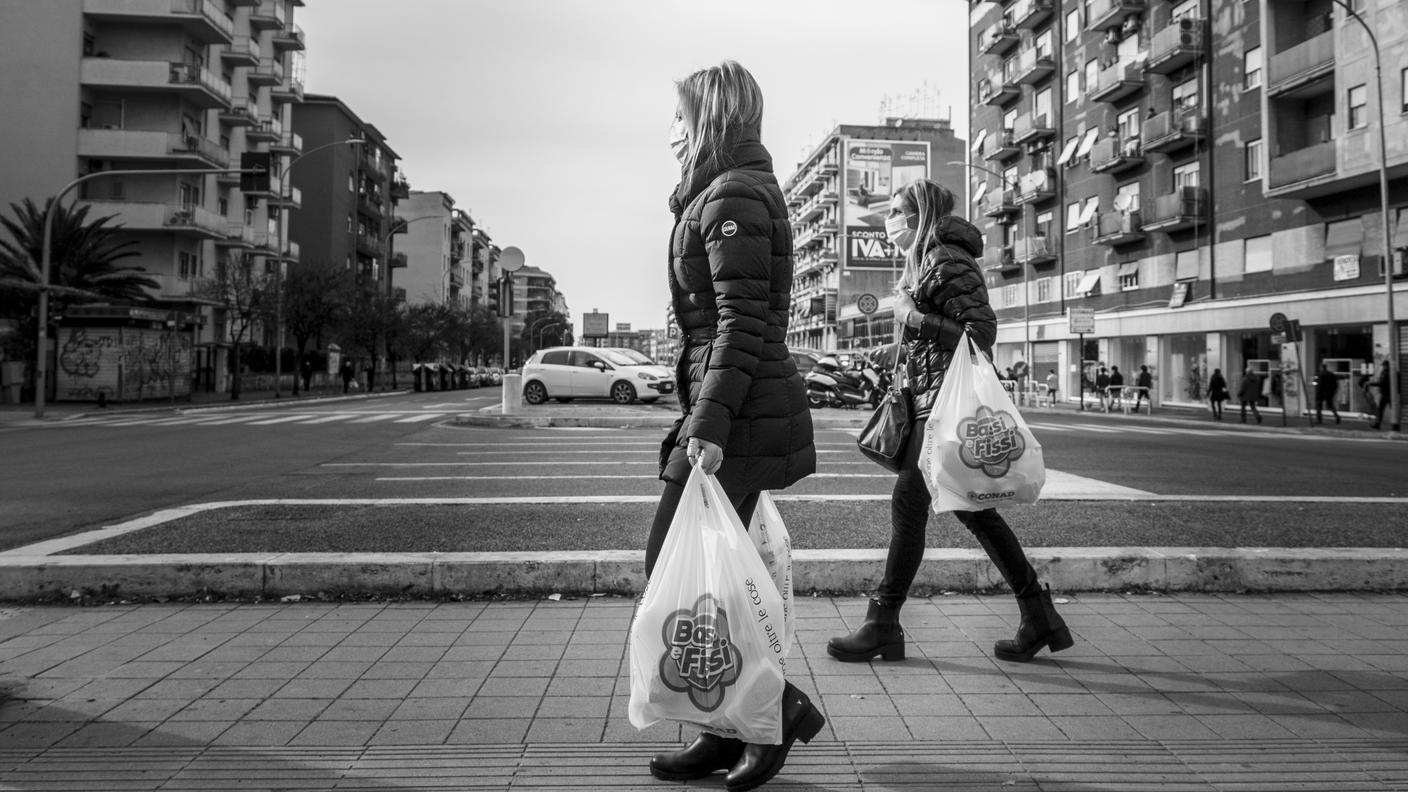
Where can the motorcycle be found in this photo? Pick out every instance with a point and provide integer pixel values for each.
(828, 385)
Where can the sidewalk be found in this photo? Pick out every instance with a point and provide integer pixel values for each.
(1192, 692)
(23, 414)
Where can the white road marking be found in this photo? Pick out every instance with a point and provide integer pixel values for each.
(330, 418)
(280, 419)
(419, 418)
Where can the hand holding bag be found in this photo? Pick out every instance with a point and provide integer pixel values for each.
(978, 451)
(885, 436)
(706, 644)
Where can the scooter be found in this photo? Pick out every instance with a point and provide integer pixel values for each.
(829, 386)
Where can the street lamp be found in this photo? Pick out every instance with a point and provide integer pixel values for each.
(1026, 279)
(532, 326)
(543, 332)
(1393, 351)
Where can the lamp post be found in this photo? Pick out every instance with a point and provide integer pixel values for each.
(1026, 280)
(543, 332)
(1393, 351)
(533, 326)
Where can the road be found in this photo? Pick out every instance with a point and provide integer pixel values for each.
(78, 475)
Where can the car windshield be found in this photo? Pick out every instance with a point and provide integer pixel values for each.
(623, 357)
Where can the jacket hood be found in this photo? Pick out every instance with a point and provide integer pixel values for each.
(743, 151)
(954, 230)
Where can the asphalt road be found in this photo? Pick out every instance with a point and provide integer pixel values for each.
(60, 479)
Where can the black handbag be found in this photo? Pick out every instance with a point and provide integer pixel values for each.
(886, 434)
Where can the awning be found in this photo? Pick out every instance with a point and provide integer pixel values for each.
(978, 141)
(1091, 206)
(981, 191)
(1344, 238)
(1068, 151)
(1187, 268)
(1128, 268)
(1087, 142)
(1090, 281)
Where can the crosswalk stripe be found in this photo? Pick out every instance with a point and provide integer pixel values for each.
(372, 418)
(280, 419)
(419, 418)
(329, 418)
(603, 476)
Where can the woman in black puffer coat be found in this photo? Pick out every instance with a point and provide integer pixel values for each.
(746, 418)
(941, 294)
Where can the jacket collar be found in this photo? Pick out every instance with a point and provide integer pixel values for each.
(743, 151)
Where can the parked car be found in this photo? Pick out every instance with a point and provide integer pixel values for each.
(567, 373)
(480, 375)
(496, 376)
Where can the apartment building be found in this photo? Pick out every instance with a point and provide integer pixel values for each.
(484, 269)
(433, 238)
(1178, 174)
(845, 268)
(178, 86)
(534, 290)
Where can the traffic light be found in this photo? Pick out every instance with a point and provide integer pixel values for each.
(493, 298)
(506, 296)
(255, 168)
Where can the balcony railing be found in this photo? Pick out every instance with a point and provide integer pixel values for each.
(999, 259)
(291, 252)
(288, 91)
(400, 189)
(136, 144)
(236, 235)
(368, 246)
(1036, 186)
(998, 39)
(1001, 147)
(1176, 46)
(456, 278)
(1112, 155)
(269, 15)
(243, 51)
(1000, 203)
(1029, 129)
(290, 38)
(1027, 14)
(207, 151)
(1034, 250)
(1174, 129)
(198, 85)
(1185, 207)
(270, 72)
(1303, 165)
(998, 89)
(1110, 14)
(241, 112)
(1033, 65)
(288, 143)
(1116, 82)
(266, 130)
(399, 261)
(159, 216)
(1304, 63)
(202, 19)
(1118, 228)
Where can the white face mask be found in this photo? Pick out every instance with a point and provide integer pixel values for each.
(679, 140)
(898, 230)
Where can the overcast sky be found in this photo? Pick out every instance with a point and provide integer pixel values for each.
(546, 120)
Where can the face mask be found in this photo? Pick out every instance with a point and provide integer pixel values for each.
(898, 230)
(679, 140)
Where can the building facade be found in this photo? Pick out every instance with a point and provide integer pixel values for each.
(1183, 172)
(845, 268)
(432, 238)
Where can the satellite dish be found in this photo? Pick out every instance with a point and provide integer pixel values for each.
(1122, 202)
(1038, 180)
(511, 259)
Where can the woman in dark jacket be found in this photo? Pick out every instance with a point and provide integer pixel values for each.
(1217, 393)
(940, 295)
(746, 418)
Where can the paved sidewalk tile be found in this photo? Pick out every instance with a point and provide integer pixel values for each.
(1197, 692)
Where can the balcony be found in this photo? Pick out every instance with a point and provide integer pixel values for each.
(1111, 14)
(1116, 82)
(292, 199)
(1037, 186)
(1033, 65)
(237, 235)
(369, 203)
(241, 112)
(290, 38)
(1295, 175)
(368, 246)
(1176, 46)
(264, 131)
(266, 243)
(1035, 251)
(291, 252)
(1029, 14)
(400, 189)
(1001, 147)
(1292, 72)
(244, 51)
(999, 259)
(456, 278)
(1111, 155)
(1115, 228)
(372, 165)
(1000, 204)
(269, 15)
(998, 39)
(167, 147)
(199, 86)
(456, 251)
(276, 186)
(1174, 130)
(200, 19)
(1028, 129)
(399, 261)
(190, 221)
(288, 143)
(998, 90)
(270, 72)
(1184, 208)
(290, 92)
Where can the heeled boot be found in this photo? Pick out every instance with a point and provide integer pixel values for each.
(708, 754)
(879, 635)
(800, 721)
(1041, 627)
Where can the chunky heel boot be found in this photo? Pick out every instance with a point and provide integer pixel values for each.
(800, 721)
(879, 635)
(708, 754)
(1041, 627)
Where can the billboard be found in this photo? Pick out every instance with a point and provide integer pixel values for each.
(874, 170)
(594, 325)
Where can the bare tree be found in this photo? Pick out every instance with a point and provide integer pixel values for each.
(316, 298)
(245, 296)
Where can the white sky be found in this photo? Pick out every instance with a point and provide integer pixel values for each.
(546, 120)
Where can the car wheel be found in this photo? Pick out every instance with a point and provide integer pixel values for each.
(535, 393)
(564, 400)
(623, 393)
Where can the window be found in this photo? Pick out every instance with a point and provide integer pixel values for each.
(1043, 44)
(1073, 24)
(1127, 125)
(1188, 8)
(1073, 88)
(1072, 283)
(1041, 105)
(1251, 68)
(1009, 295)
(223, 207)
(1043, 290)
(1129, 276)
(1092, 73)
(1185, 95)
(351, 182)
(187, 265)
(350, 226)
(1072, 216)
(1043, 224)
(1403, 89)
(1358, 98)
(1252, 160)
(1185, 175)
(1009, 120)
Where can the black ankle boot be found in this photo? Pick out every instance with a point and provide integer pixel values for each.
(708, 754)
(1041, 626)
(879, 635)
(800, 721)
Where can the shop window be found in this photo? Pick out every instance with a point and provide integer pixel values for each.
(1251, 68)
(1252, 160)
(1358, 103)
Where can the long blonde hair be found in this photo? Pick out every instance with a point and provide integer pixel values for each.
(932, 202)
(714, 102)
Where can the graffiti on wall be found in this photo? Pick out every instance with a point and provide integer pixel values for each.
(123, 363)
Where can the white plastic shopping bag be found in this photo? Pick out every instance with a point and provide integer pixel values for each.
(978, 452)
(707, 641)
(769, 535)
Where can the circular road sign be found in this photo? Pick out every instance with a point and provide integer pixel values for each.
(867, 304)
(511, 259)
(1278, 322)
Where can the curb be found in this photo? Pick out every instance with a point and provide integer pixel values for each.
(622, 572)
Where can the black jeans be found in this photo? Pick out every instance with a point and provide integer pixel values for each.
(743, 502)
(909, 514)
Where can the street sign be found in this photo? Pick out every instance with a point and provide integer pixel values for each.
(511, 259)
(1082, 320)
(595, 325)
(1278, 322)
(867, 304)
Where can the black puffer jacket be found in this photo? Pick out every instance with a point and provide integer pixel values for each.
(952, 295)
(731, 286)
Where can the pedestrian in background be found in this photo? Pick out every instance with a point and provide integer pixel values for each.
(1102, 387)
(745, 418)
(1217, 393)
(1144, 382)
(347, 373)
(1385, 393)
(1051, 382)
(1116, 386)
(1326, 386)
(1249, 393)
(941, 294)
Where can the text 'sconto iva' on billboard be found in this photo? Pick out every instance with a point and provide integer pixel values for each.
(875, 170)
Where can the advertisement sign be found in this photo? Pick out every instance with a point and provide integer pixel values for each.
(594, 325)
(874, 170)
(623, 327)
(1082, 320)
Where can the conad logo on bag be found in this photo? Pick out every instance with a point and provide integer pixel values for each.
(990, 442)
(700, 658)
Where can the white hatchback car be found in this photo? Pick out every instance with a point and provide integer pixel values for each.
(621, 375)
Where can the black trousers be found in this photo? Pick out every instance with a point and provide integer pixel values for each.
(743, 502)
(909, 514)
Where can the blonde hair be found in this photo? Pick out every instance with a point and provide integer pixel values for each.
(714, 102)
(932, 202)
